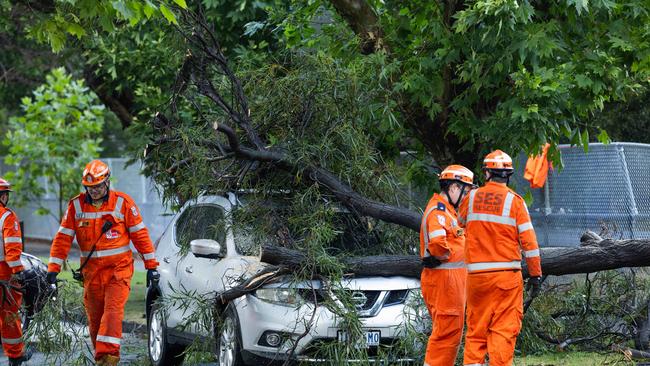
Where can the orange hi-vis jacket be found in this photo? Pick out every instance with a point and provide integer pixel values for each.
(440, 219)
(498, 230)
(85, 221)
(443, 287)
(12, 244)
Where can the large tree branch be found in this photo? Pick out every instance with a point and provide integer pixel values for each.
(209, 57)
(343, 192)
(363, 205)
(592, 256)
(363, 21)
(211, 48)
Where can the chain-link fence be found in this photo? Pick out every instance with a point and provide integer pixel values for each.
(123, 178)
(606, 190)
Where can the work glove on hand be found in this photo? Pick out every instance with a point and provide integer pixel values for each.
(534, 286)
(152, 277)
(18, 278)
(430, 262)
(51, 277)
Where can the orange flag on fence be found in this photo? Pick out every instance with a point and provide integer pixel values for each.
(537, 169)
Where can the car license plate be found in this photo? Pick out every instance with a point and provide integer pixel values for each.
(371, 338)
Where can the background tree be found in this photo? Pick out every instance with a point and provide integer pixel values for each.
(49, 145)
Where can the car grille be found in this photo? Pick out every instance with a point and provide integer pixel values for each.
(364, 300)
(368, 303)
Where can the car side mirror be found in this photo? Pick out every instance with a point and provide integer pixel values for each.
(206, 248)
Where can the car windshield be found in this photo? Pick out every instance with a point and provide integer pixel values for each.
(267, 223)
(201, 222)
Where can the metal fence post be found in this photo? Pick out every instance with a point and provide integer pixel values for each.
(628, 183)
(547, 209)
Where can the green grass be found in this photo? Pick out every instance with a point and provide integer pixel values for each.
(134, 309)
(573, 359)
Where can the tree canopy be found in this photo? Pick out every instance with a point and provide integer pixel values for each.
(389, 91)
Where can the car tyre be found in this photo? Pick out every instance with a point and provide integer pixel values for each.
(228, 338)
(161, 352)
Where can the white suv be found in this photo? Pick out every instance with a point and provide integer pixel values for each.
(256, 326)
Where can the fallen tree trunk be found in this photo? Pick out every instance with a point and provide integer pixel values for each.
(595, 254)
(375, 265)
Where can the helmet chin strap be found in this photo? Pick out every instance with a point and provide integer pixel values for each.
(460, 196)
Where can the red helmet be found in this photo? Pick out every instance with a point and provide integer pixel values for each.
(5, 186)
(458, 173)
(96, 172)
(498, 160)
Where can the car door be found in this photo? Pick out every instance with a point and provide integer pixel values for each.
(199, 276)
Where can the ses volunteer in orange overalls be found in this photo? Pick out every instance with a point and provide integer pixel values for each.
(498, 230)
(442, 245)
(11, 276)
(107, 274)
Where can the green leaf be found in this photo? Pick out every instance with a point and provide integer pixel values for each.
(168, 14)
(76, 30)
(575, 137)
(603, 137)
(123, 9)
(149, 9)
(181, 3)
(57, 41)
(585, 140)
(583, 81)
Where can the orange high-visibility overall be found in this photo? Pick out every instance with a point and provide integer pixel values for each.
(107, 276)
(11, 299)
(498, 229)
(443, 287)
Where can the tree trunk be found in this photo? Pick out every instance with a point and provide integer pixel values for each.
(376, 265)
(593, 255)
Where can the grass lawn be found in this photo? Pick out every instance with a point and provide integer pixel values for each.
(573, 359)
(134, 309)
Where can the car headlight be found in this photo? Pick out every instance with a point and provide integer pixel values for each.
(280, 296)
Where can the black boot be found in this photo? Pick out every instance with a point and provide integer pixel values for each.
(27, 354)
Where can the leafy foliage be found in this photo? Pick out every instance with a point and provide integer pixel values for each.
(78, 18)
(53, 140)
(627, 121)
(505, 74)
(308, 107)
(587, 313)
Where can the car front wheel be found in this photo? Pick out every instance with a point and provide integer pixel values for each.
(161, 352)
(229, 340)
